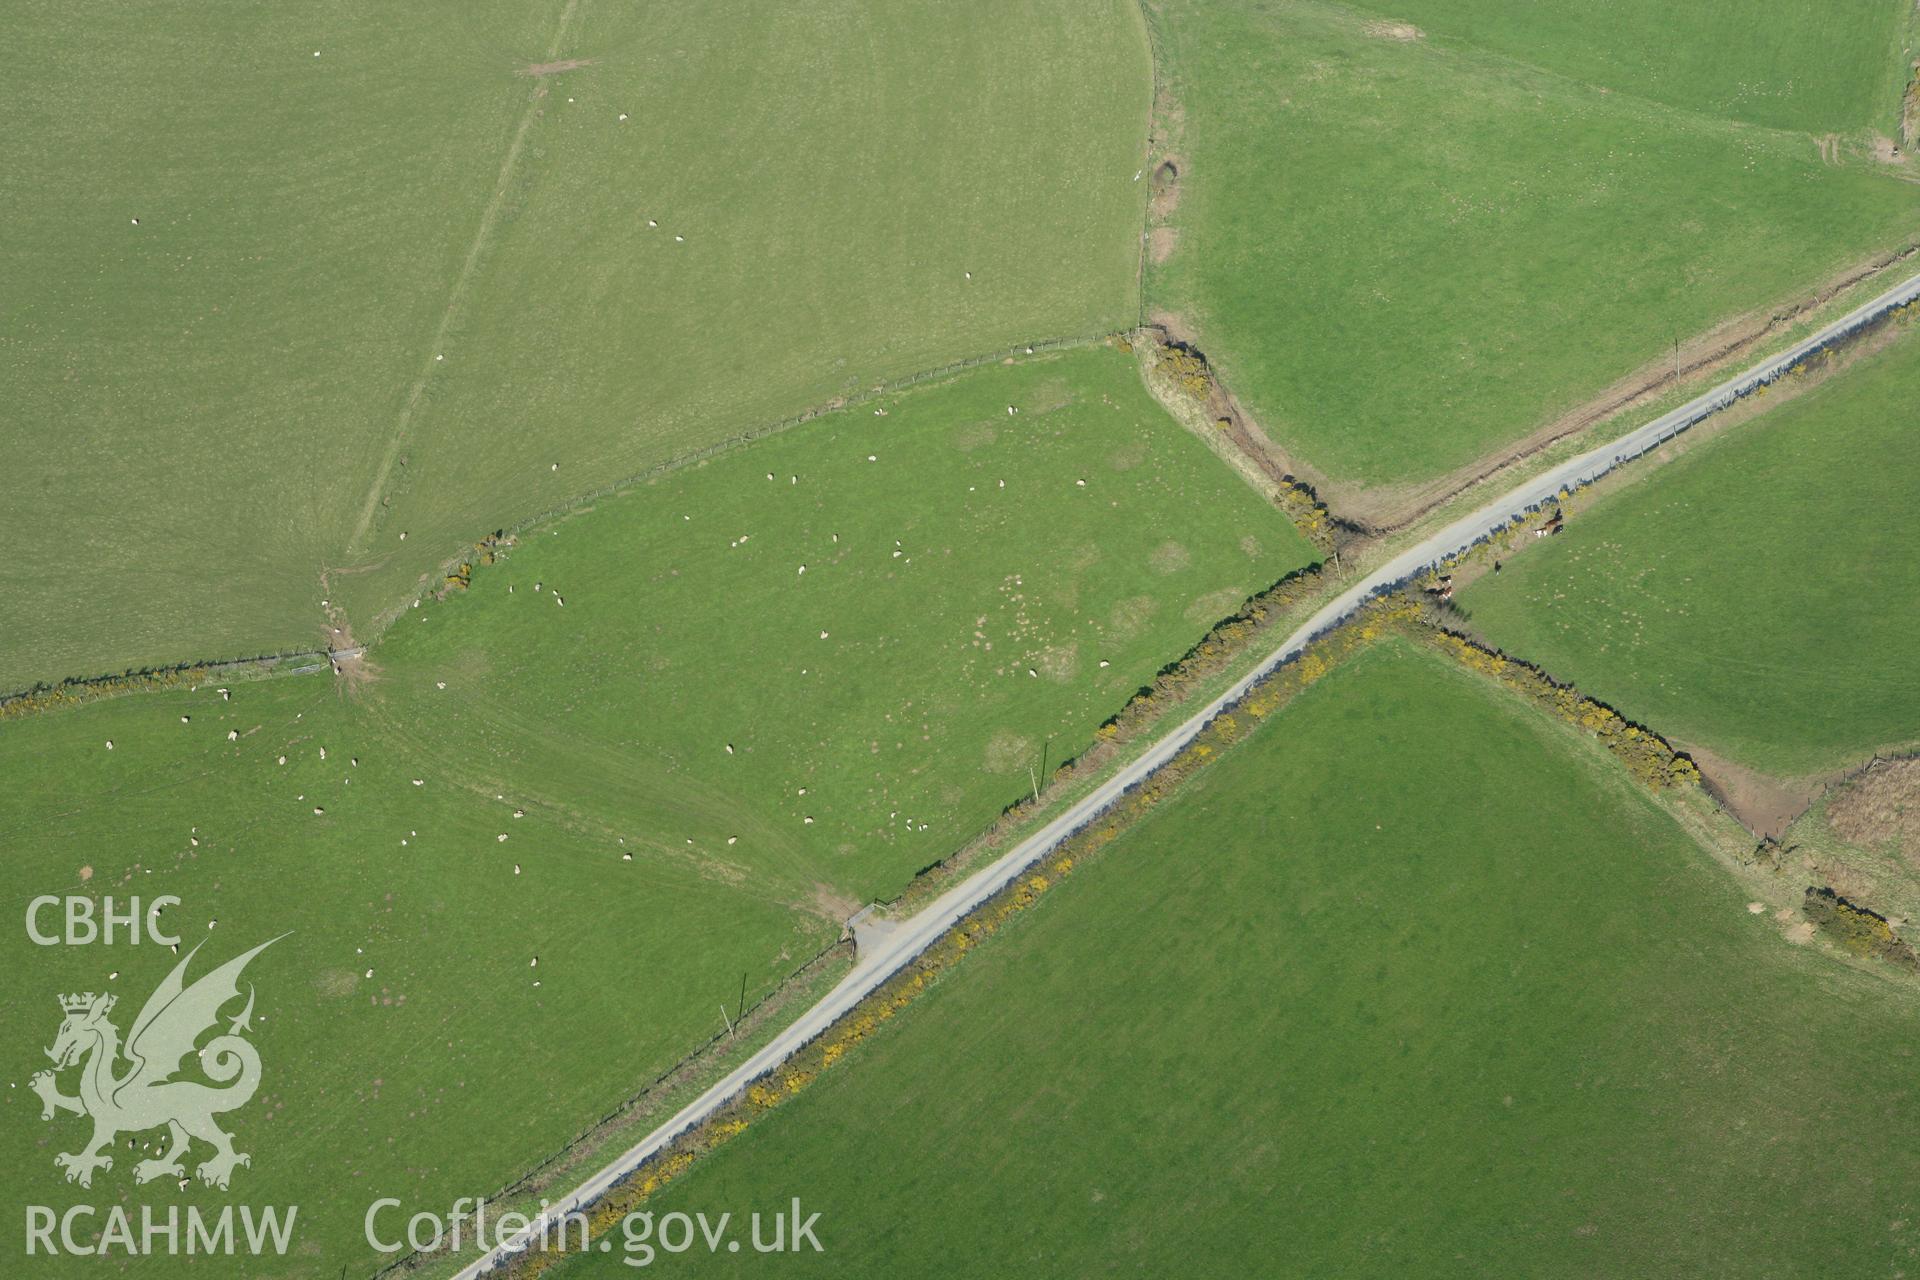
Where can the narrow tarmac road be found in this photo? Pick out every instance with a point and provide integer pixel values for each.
(896, 948)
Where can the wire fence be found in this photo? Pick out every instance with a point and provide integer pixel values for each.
(77, 689)
(680, 462)
(1156, 58)
(597, 1128)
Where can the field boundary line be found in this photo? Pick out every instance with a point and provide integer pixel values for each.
(915, 935)
(1155, 61)
(489, 216)
(76, 690)
(729, 444)
(528, 1180)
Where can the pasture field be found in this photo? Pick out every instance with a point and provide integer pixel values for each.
(593, 681)
(212, 409)
(848, 646)
(1756, 596)
(1788, 64)
(406, 1047)
(1356, 1004)
(1404, 254)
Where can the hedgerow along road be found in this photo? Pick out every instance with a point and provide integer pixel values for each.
(895, 949)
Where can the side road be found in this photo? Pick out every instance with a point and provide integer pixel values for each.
(894, 949)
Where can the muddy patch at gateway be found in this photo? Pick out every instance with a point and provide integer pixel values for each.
(1166, 189)
(1764, 804)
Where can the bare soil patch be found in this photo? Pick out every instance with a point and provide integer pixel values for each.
(829, 903)
(1161, 242)
(1764, 804)
(1881, 808)
(1166, 188)
(1385, 30)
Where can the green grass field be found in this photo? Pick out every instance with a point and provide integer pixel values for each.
(1756, 596)
(1404, 254)
(211, 408)
(606, 721)
(447, 1068)
(1356, 1004)
(1788, 64)
(849, 645)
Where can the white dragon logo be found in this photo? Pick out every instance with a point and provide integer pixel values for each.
(146, 1096)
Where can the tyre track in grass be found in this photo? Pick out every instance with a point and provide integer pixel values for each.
(456, 295)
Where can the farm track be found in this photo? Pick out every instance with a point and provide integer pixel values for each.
(489, 217)
(912, 936)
